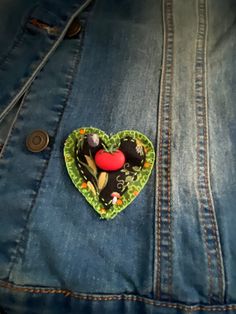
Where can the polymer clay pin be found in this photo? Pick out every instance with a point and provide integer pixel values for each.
(109, 171)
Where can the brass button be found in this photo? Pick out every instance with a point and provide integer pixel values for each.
(37, 141)
(74, 28)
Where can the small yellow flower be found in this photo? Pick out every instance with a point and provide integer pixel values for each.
(82, 131)
(136, 193)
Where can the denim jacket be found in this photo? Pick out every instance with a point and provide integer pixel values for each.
(164, 68)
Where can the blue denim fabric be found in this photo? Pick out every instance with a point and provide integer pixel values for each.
(164, 68)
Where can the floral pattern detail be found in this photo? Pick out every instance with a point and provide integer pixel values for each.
(139, 147)
(109, 192)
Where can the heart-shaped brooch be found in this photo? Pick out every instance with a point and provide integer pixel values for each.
(109, 171)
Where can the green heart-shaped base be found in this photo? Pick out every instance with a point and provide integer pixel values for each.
(88, 189)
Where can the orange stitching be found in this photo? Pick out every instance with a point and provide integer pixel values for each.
(134, 298)
(202, 8)
(159, 161)
(198, 175)
(167, 69)
(219, 265)
(170, 270)
(203, 11)
(159, 213)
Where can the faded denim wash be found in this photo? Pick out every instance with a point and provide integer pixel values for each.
(164, 68)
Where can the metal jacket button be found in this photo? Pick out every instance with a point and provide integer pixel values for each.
(37, 141)
(73, 29)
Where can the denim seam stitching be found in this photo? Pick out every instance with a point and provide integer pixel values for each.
(164, 278)
(157, 266)
(22, 235)
(198, 174)
(12, 127)
(18, 40)
(115, 297)
(22, 89)
(209, 225)
(220, 263)
(19, 37)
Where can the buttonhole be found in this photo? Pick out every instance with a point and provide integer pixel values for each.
(49, 29)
